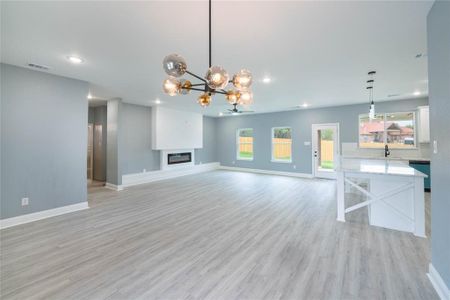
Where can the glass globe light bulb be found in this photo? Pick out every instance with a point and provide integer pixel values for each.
(232, 97)
(185, 86)
(174, 65)
(217, 77)
(246, 97)
(204, 99)
(171, 86)
(243, 79)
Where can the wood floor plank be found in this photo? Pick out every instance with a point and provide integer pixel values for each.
(216, 235)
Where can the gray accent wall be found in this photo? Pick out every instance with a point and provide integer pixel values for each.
(43, 141)
(208, 153)
(438, 27)
(300, 121)
(136, 148)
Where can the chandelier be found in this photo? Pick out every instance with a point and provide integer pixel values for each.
(214, 82)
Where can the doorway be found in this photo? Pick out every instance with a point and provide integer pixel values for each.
(325, 150)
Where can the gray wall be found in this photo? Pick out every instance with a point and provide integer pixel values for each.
(98, 116)
(43, 140)
(300, 121)
(136, 141)
(113, 171)
(208, 153)
(438, 24)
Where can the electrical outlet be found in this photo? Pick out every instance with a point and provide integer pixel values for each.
(25, 201)
(435, 149)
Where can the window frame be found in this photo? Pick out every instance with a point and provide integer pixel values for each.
(238, 143)
(385, 114)
(272, 158)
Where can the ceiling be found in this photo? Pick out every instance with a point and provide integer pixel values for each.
(317, 53)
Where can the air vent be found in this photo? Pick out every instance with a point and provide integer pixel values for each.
(37, 66)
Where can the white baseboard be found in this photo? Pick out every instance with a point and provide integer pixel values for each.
(147, 177)
(438, 283)
(269, 172)
(5, 223)
(113, 187)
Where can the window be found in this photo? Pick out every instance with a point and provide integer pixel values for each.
(281, 144)
(397, 130)
(244, 141)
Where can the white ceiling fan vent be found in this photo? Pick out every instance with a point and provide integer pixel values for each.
(37, 66)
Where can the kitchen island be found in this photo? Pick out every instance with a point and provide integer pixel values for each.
(394, 193)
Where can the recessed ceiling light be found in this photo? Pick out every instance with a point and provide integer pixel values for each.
(74, 59)
(89, 96)
(416, 93)
(221, 114)
(157, 101)
(267, 79)
(305, 105)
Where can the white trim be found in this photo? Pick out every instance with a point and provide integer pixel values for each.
(438, 283)
(5, 223)
(113, 187)
(269, 172)
(147, 177)
(281, 161)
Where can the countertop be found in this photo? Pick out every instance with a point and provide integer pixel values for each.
(390, 158)
(378, 166)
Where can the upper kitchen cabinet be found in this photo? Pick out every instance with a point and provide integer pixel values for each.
(424, 124)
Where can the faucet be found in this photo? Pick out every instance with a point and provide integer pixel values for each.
(386, 151)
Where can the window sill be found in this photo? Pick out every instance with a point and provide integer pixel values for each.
(245, 159)
(281, 161)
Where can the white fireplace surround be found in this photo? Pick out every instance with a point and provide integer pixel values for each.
(164, 161)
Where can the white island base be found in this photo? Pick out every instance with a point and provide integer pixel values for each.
(395, 193)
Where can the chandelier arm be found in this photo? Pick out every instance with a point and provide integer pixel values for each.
(193, 89)
(210, 59)
(219, 92)
(196, 76)
(197, 84)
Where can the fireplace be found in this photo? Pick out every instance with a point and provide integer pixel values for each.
(179, 158)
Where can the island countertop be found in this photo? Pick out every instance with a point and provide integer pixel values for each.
(378, 166)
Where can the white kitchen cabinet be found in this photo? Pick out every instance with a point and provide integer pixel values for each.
(424, 124)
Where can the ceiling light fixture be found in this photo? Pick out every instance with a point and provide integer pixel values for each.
(305, 105)
(221, 114)
(370, 84)
(214, 82)
(75, 59)
(89, 96)
(157, 101)
(266, 79)
(416, 93)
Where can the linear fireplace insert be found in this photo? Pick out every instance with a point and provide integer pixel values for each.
(179, 158)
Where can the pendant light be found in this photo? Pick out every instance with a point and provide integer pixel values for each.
(370, 86)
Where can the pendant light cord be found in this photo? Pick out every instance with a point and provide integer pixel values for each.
(210, 60)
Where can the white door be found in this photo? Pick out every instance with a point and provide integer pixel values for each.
(325, 149)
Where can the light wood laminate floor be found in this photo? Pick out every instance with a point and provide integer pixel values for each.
(216, 235)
